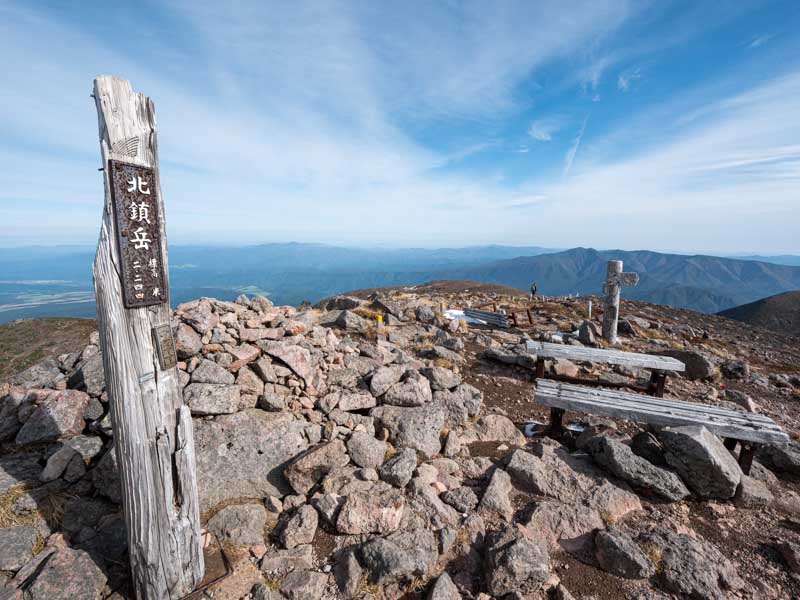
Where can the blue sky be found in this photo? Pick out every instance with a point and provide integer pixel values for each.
(613, 124)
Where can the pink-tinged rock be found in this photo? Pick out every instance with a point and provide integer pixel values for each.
(201, 318)
(311, 466)
(263, 333)
(374, 512)
(295, 327)
(187, 341)
(242, 355)
(296, 358)
(565, 368)
(58, 417)
(67, 574)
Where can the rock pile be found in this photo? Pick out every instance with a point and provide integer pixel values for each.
(340, 459)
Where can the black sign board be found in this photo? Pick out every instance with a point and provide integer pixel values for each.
(137, 213)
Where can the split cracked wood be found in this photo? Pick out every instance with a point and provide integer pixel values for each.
(153, 435)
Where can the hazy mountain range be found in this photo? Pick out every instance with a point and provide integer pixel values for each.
(39, 281)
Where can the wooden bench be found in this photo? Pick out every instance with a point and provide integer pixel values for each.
(491, 318)
(748, 429)
(659, 365)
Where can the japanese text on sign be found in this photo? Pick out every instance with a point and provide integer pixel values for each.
(137, 216)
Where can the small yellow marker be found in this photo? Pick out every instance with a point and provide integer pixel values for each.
(379, 319)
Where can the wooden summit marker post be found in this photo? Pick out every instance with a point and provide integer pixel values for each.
(615, 279)
(153, 435)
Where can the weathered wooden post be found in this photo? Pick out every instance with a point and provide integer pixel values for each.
(615, 279)
(152, 428)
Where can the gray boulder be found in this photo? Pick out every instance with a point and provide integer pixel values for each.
(306, 470)
(619, 459)
(444, 589)
(496, 497)
(16, 547)
(702, 461)
(463, 499)
(414, 391)
(67, 573)
(243, 455)
(59, 416)
(459, 404)
(365, 450)
(416, 427)
(690, 567)
(698, 366)
(515, 563)
(752, 493)
(304, 585)
(384, 378)
(210, 372)
(397, 471)
(90, 376)
(187, 342)
(441, 378)
(619, 555)
(44, 374)
(401, 556)
(240, 524)
(212, 399)
(300, 528)
(781, 459)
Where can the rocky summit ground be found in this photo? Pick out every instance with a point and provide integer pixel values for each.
(341, 459)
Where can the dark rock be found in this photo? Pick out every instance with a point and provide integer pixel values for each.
(781, 459)
(620, 460)
(619, 555)
(340, 303)
(752, 493)
(400, 556)
(698, 366)
(105, 477)
(90, 376)
(702, 461)
(690, 567)
(398, 470)
(737, 369)
(646, 445)
(463, 499)
(515, 563)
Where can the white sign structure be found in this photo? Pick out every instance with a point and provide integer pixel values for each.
(615, 279)
(153, 436)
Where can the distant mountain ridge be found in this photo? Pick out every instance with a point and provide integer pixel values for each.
(57, 281)
(780, 313)
(703, 283)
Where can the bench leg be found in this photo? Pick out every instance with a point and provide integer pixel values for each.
(530, 316)
(556, 421)
(746, 456)
(730, 444)
(656, 386)
(539, 367)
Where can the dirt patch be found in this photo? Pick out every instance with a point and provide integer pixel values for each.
(25, 342)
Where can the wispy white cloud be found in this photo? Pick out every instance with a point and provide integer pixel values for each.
(542, 130)
(760, 40)
(573, 149)
(627, 77)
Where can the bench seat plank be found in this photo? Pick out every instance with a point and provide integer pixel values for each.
(491, 318)
(599, 355)
(637, 407)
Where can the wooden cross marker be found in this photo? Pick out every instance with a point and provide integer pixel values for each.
(153, 435)
(615, 279)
